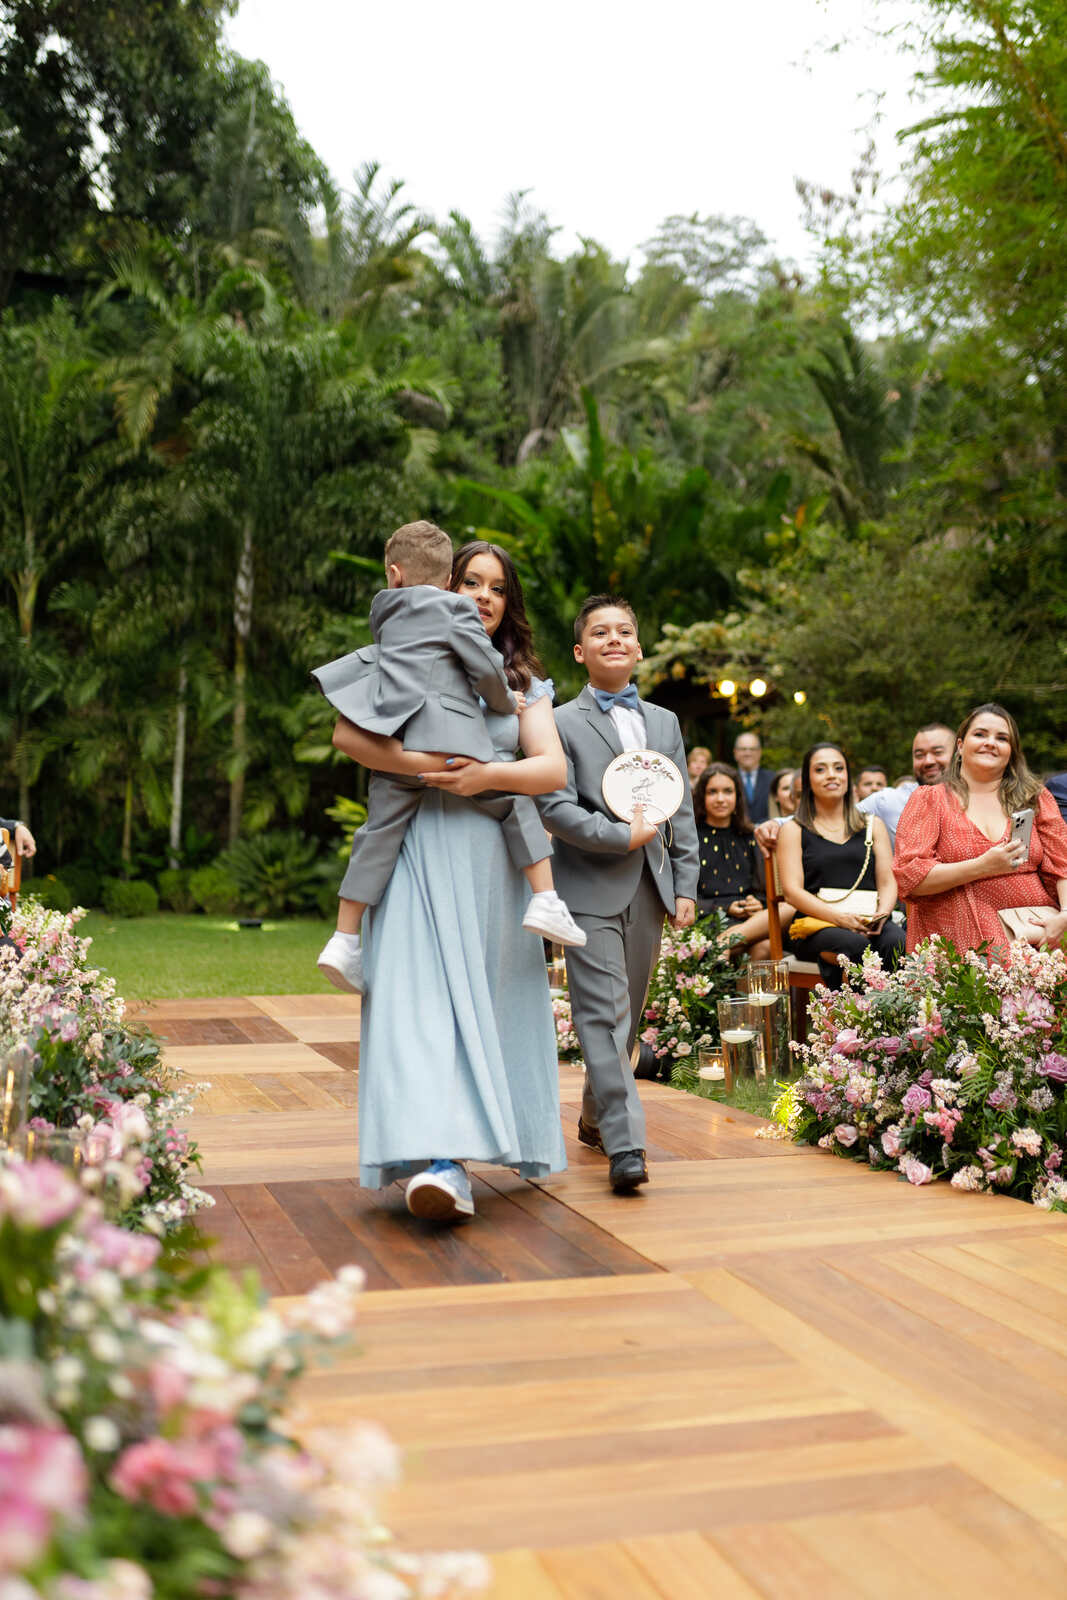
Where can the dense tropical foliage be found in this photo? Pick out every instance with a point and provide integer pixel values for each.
(224, 379)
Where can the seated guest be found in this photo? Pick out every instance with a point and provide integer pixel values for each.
(930, 753)
(1057, 788)
(956, 863)
(783, 803)
(837, 851)
(870, 780)
(699, 757)
(20, 837)
(731, 870)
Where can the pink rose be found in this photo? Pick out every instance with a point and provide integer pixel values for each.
(848, 1042)
(42, 1474)
(916, 1099)
(163, 1474)
(128, 1254)
(37, 1194)
(891, 1141)
(915, 1171)
(845, 1134)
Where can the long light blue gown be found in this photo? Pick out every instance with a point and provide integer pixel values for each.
(458, 1055)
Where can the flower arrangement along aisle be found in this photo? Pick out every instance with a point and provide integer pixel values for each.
(92, 1074)
(946, 1068)
(692, 975)
(142, 1448)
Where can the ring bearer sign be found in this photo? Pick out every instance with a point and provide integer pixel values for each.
(645, 778)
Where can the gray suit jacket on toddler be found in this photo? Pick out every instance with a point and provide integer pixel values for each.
(431, 660)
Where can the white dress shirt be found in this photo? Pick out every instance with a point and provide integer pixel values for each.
(630, 727)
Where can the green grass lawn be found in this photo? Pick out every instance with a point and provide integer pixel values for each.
(170, 957)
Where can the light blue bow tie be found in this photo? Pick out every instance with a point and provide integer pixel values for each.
(625, 697)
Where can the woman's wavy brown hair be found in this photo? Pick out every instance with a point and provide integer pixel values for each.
(1018, 786)
(805, 812)
(514, 637)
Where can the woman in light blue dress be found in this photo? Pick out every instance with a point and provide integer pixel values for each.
(458, 1057)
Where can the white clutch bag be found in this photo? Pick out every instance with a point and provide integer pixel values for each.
(647, 778)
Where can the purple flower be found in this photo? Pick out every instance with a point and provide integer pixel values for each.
(1053, 1066)
(917, 1099)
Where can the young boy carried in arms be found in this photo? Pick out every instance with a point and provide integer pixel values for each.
(421, 681)
(620, 878)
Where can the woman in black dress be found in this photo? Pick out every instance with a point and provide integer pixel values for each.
(833, 847)
(731, 867)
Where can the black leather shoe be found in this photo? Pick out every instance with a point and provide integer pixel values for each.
(590, 1136)
(627, 1170)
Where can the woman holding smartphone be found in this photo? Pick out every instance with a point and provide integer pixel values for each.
(961, 860)
(834, 859)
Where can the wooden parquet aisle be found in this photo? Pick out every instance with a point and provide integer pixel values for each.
(772, 1373)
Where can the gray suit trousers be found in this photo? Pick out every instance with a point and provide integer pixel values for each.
(391, 804)
(608, 980)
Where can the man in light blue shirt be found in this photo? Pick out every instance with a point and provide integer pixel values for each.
(931, 752)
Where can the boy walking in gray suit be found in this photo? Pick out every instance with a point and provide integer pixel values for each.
(619, 878)
(421, 681)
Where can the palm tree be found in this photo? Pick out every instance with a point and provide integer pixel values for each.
(56, 447)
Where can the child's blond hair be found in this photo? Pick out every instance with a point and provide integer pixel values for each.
(423, 551)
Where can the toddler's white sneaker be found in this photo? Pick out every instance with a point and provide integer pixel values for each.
(341, 962)
(548, 915)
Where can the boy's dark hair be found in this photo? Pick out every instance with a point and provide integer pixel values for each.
(872, 766)
(600, 602)
(423, 550)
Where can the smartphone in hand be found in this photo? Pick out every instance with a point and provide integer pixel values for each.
(1022, 825)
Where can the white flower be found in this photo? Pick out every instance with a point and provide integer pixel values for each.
(969, 1178)
(105, 1347)
(101, 1434)
(68, 1370)
(246, 1534)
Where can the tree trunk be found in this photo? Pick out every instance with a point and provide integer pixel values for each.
(242, 628)
(24, 782)
(127, 827)
(177, 781)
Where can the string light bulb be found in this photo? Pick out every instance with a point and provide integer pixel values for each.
(799, 696)
(757, 688)
(726, 687)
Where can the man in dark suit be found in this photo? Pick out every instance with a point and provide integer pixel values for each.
(755, 780)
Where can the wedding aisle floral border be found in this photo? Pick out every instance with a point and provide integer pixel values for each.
(681, 1017)
(93, 1075)
(693, 973)
(143, 1449)
(949, 1067)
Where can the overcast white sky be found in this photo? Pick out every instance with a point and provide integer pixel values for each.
(613, 115)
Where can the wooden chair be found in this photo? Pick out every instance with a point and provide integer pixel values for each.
(803, 975)
(14, 872)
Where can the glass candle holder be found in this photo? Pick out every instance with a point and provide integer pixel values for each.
(741, 1032)
(16, 1070)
